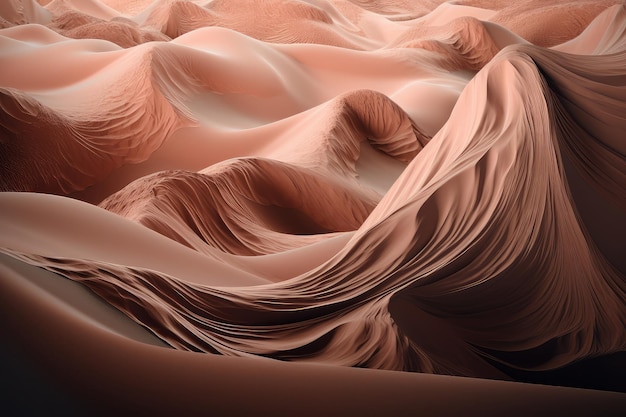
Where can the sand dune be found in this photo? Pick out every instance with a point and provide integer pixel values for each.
(277, 192)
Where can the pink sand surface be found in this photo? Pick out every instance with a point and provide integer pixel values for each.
(227, 207)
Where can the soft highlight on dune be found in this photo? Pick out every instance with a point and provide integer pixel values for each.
(294, 189)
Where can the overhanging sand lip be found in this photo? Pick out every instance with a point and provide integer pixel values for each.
(75, 299)
(107, 362)
(109, 373)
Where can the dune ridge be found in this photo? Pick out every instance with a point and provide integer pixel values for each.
(433, 187)
(102, 131)
(490, 147)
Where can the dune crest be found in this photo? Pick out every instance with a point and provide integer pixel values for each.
(431, 187)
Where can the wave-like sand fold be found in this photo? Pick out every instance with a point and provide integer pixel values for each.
(423, 187)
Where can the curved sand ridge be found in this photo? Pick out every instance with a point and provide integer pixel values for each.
(231, 204)
(90, 126)
(441, 262)
(408, 187)
(267, 20)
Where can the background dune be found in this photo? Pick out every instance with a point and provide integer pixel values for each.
(226, 207)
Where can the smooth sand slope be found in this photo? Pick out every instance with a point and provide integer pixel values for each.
(277, 192)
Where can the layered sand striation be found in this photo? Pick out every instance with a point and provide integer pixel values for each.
(433, 187)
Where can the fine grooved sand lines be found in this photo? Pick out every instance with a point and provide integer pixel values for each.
(433, 187)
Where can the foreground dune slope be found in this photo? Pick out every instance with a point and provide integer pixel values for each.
(78, 341)
(431, 187)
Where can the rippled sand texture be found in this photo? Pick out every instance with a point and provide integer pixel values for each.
(426, 186)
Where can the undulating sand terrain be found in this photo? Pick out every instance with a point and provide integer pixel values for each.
(316, 207)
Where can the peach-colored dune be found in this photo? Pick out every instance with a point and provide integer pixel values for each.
(224, 208)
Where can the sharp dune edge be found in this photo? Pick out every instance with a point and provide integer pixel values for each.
(226, 208)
